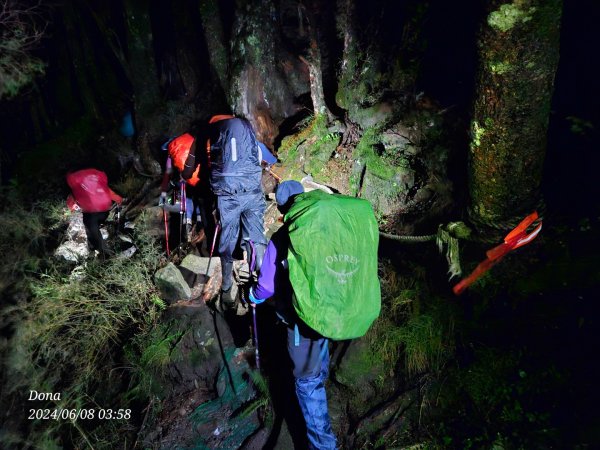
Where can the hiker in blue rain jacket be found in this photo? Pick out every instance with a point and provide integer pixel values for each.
(234, 159)
(308, 350)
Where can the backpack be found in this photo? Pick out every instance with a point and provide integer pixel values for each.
(332, 260)
(90, 190)
(234, 157)
(179, 149)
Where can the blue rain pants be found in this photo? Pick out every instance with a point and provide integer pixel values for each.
(241, 212)
(310, 357)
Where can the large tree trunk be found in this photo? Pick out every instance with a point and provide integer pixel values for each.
(264, 81)
(518, 50)
(313, 60)
(210, 15)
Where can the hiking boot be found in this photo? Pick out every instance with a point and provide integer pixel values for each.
(228, 299)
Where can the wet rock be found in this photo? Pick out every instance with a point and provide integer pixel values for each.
(397, 140)
(75, 247)
(373, 116)
(310, 185)
(388, 195)
(357, 370)
(199, 265)
(171, 283)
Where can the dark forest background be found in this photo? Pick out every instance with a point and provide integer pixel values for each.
(510, 364)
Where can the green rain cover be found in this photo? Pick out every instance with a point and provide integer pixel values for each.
(333, 263)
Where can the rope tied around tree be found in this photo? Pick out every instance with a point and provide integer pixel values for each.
(448, 237)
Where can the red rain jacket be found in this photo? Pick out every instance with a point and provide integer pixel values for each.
(90, 190)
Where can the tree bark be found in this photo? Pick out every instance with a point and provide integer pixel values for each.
(313, 61)
(215, 40)
(519, 52)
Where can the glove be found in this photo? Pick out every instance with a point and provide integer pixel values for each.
(163, 199)
(253, 299)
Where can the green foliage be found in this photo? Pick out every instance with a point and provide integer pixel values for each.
(579, 126)
(148, 354)
(423, 343)
(508, 15)
(492, 400)
(360, 83)
(24, 231)
(68, 330)
(70, 323)
(407, 325)
(308, 150)
(262, 401)
(21, 29)
(477, 132)
(366, 152)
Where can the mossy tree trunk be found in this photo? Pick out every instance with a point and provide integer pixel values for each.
(212, 25)
(261, 89)
(519, 51)
(313, 59)
(346, 27)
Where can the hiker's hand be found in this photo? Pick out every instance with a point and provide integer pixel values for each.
(163, 199)
(252, 298)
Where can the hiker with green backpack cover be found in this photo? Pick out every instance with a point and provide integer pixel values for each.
(321, 268)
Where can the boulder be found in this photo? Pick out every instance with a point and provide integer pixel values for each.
(171, 283)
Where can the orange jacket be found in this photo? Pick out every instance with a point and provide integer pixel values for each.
(179, 149)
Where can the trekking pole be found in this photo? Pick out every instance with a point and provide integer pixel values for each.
(166, 231)
(118, 220)
(273, 174)
(212, 248)
(182, 209)
(256, 353)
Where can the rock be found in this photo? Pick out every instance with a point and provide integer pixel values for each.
(310, 185)
(397, 141)
(128, 253)
(388, 196)
(198, 264)
(171, 283)
(371, 116)
(72, 251)
(75, 248)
